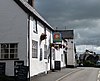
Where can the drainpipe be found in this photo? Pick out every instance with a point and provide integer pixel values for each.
(29, 44)
(50, 54)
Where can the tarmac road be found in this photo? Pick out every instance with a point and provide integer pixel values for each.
(87, 74)
(57, 75)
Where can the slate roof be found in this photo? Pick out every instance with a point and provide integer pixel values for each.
(31, 11)
(66, 34)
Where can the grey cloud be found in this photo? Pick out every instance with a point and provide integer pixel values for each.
(81, 15)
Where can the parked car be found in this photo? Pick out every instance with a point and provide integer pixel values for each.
(98, 63)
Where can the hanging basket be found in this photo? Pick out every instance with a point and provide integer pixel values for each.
(64, 46)
(52, 45)
(60, 45)
(56, 47)
(43, 36)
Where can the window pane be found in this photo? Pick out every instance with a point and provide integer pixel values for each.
(15, 55)
(13, 51)
(2, 55)
(4, 45)
(4, 50)
(6, 56)
(13, 45)
(11, 55)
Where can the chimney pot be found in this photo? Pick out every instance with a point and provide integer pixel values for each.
(31, 2)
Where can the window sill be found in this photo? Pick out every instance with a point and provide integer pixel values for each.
(10, 59)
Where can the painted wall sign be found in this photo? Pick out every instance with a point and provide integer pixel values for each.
(17, 65)
(22, 73)
(2, 68)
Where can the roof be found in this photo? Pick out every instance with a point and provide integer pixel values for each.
(66, 34)
(31, 11)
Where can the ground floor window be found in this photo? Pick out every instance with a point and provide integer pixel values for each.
(41, 54)
(34, 49)
(53, 54)
(45, 51)
(62, 57)
(9, 50)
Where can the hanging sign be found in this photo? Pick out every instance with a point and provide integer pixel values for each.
(57, 37)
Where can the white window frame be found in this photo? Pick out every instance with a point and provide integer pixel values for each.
(34, 25)
(8, 50)
(34, 49)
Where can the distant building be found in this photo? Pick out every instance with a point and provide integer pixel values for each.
(99, 56)
(68, 36)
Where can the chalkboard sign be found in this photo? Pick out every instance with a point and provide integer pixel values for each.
(17, 65)
(57, 65)
(22, 73)
(2, 68)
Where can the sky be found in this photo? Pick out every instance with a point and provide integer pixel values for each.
(83, 16)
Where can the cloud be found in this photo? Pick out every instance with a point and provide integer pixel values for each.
(81, 48)
(81, 15)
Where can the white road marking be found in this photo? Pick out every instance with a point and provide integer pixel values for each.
(97, 80)
(68, 74)
(98, 75)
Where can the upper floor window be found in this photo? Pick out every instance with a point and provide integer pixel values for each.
(9, 50)
(35, 25)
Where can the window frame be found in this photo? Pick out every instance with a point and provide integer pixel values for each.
(8, 52)
(45, 51)
(34, 25)
(41, 54)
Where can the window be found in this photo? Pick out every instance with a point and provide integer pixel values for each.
(9, 50)
(35, 25)
(62, 57)
(53, 53)
(34, 49)
(45, 51)
(40, 54)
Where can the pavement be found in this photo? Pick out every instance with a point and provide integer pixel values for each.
(56, 75)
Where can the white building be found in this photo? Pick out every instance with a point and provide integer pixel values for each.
(20, 30)
(58, 55)
(26, 36)
(68, 35)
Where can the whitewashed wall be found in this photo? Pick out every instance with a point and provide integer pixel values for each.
(13, 29)
(37, 66)
(59, 56)
(63, 56)
(70, 52)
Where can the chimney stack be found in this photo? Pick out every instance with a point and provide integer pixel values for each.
(31, 2)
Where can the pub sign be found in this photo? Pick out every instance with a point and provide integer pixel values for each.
(57, 37)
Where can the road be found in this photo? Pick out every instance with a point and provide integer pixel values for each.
(87, 74)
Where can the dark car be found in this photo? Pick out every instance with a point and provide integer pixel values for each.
(98, 63)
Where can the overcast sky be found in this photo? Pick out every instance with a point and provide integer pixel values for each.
(81, 15)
